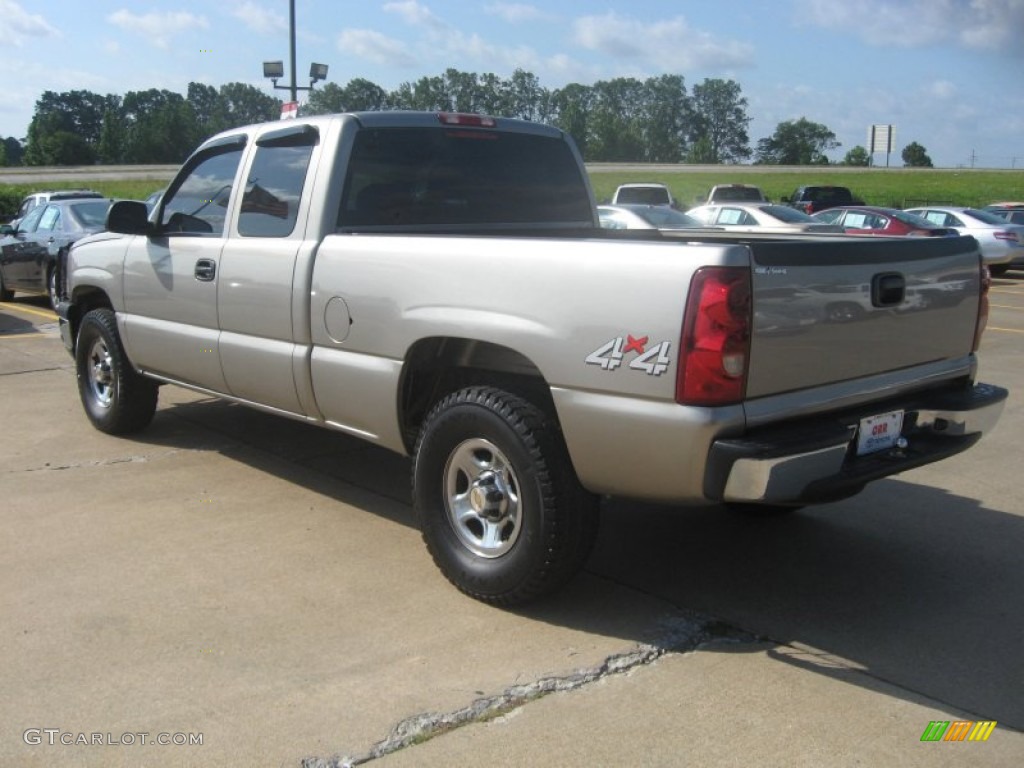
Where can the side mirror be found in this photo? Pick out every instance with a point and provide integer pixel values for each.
(128, 217)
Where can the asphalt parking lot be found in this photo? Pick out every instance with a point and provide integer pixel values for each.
(259, 586)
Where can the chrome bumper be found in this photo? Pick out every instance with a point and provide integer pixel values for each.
(817, 462)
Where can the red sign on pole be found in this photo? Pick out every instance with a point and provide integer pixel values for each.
(289, 109)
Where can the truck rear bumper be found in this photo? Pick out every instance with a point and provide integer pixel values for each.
(817, 461)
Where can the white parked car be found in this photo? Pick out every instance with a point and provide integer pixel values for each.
(759, 217)
(1002, 243)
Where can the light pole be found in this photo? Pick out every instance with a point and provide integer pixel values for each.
(274, 70)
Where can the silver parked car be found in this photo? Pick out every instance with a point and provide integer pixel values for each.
(1001, 243)
(637, 216)
(759, 217)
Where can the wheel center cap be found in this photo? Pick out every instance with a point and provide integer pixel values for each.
(488, 497)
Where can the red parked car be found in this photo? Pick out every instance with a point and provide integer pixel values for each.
(871, 220)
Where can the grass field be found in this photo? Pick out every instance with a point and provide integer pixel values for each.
(899, 188)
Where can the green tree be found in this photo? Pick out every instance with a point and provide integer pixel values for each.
(616, 121)
(915, 156)
(427, 93)
(244, 104)
(797, 142)
(572, 108)
(857, 156)
(208, 110)
(110, 148)
(720, 117)
(79, 113)
(702, 153)
(666, 119)
(13, 151)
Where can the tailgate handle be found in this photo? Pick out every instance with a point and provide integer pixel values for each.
(888, 289)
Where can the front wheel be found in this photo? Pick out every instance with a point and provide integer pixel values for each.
(497, 500)
(117, 400)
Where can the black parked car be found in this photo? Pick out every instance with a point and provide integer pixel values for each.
(812, 199)
(33, 252)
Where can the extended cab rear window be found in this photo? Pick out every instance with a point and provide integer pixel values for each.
(450, 177)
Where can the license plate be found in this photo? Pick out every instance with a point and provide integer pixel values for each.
(879, 432)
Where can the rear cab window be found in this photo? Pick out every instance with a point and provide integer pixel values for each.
(456, 177)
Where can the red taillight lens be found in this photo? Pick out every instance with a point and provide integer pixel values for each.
(715, 344)
(979, 329)
(1000, 234)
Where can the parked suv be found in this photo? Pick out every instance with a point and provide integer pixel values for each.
(812, 199)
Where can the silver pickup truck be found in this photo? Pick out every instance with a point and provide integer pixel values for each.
(438, 284)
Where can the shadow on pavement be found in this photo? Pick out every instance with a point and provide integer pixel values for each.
(919, 587)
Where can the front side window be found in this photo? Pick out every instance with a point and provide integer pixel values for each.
(199, 204)
(30, 222)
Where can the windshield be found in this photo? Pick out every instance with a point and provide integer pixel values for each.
(646, 195)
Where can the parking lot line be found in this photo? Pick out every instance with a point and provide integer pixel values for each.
(1007, 306)
(29, 335)
(29, 310)
(1005, 330)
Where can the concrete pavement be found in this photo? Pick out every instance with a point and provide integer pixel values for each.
(260, 583)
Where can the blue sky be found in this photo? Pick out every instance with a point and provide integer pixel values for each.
(948, 74)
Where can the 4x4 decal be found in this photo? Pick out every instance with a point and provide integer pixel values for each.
(653, 361)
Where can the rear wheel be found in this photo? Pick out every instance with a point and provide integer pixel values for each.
(998, 270)
(117, 400)
(497, 500)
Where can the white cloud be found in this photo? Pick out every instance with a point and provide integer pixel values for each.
(158, 28)
(941, 89)
(980, 24)
(19, 23)
(670, 45)
(518, 13)
(259, 19)
(415, 14)
(378, 48)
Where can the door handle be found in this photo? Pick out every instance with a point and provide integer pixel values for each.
(206, 270)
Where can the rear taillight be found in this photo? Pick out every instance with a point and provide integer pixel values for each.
(979, 328)
(715, 344)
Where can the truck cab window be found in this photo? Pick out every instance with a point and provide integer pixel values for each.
(270, 204)
(199, 204)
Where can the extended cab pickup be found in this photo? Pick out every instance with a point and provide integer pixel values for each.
(439, 285)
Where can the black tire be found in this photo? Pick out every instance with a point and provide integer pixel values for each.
(5, 293)
(498, 503)
(998, 270)
(117, 400)
(53, 284)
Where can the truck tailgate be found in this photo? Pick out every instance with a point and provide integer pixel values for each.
(831, 311)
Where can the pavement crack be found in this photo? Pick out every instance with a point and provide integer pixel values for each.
(139, 459)
(678, 634)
